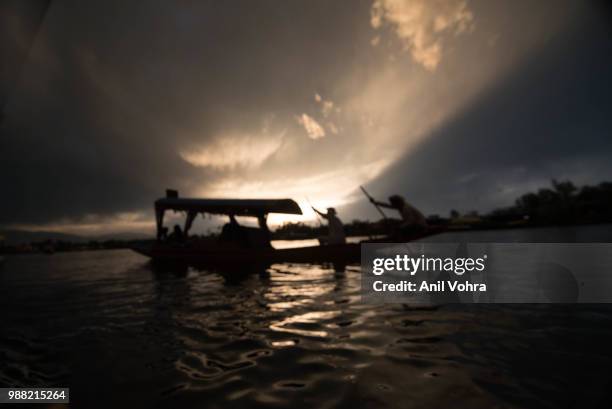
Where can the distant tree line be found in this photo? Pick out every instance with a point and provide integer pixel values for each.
(52, 246)
(562, 203)
(356, 227)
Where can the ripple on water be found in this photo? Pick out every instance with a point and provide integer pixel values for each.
(294, 335)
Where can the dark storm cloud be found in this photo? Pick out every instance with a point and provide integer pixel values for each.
(119, 100)
(112, 88)
(549, 119)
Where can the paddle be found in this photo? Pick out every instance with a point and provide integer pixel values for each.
(373, 202)
(317, 214)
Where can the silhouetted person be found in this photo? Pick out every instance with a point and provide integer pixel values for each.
(177, 234)
(234, 232)
(335, 227)
(413, 220)
(230, 230)
(258, 237)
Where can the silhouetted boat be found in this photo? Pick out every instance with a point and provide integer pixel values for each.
(239, 245)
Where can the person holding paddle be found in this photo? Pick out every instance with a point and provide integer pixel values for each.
(334, 225)
(413, 220)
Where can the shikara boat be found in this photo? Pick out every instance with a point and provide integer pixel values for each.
(238, 245)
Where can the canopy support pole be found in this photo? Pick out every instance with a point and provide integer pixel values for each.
(159, 220)
(189, 222)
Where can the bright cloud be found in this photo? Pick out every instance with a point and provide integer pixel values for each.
(331, 188)
(312, 127)
(420, 25)
(230, 152)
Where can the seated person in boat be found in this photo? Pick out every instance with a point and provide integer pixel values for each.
(413, 221)
(162, 235)
(334, 224)
(177, 234)
(244, 236)
(262, 237)
(233, 232)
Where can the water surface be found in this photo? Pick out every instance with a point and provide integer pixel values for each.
(120, 333)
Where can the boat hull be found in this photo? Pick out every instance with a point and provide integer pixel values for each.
(214, 253)
(175, 253)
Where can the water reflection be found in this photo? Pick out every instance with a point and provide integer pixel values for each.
(286, 289)
(285, 335)
(306, 320)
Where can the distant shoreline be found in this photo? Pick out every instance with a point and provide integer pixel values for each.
(51, 247)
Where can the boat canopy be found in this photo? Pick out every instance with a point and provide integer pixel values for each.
(236, 207)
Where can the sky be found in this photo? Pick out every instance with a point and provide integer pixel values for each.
(455, 104)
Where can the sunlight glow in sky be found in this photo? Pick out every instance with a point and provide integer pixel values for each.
(309, 114)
